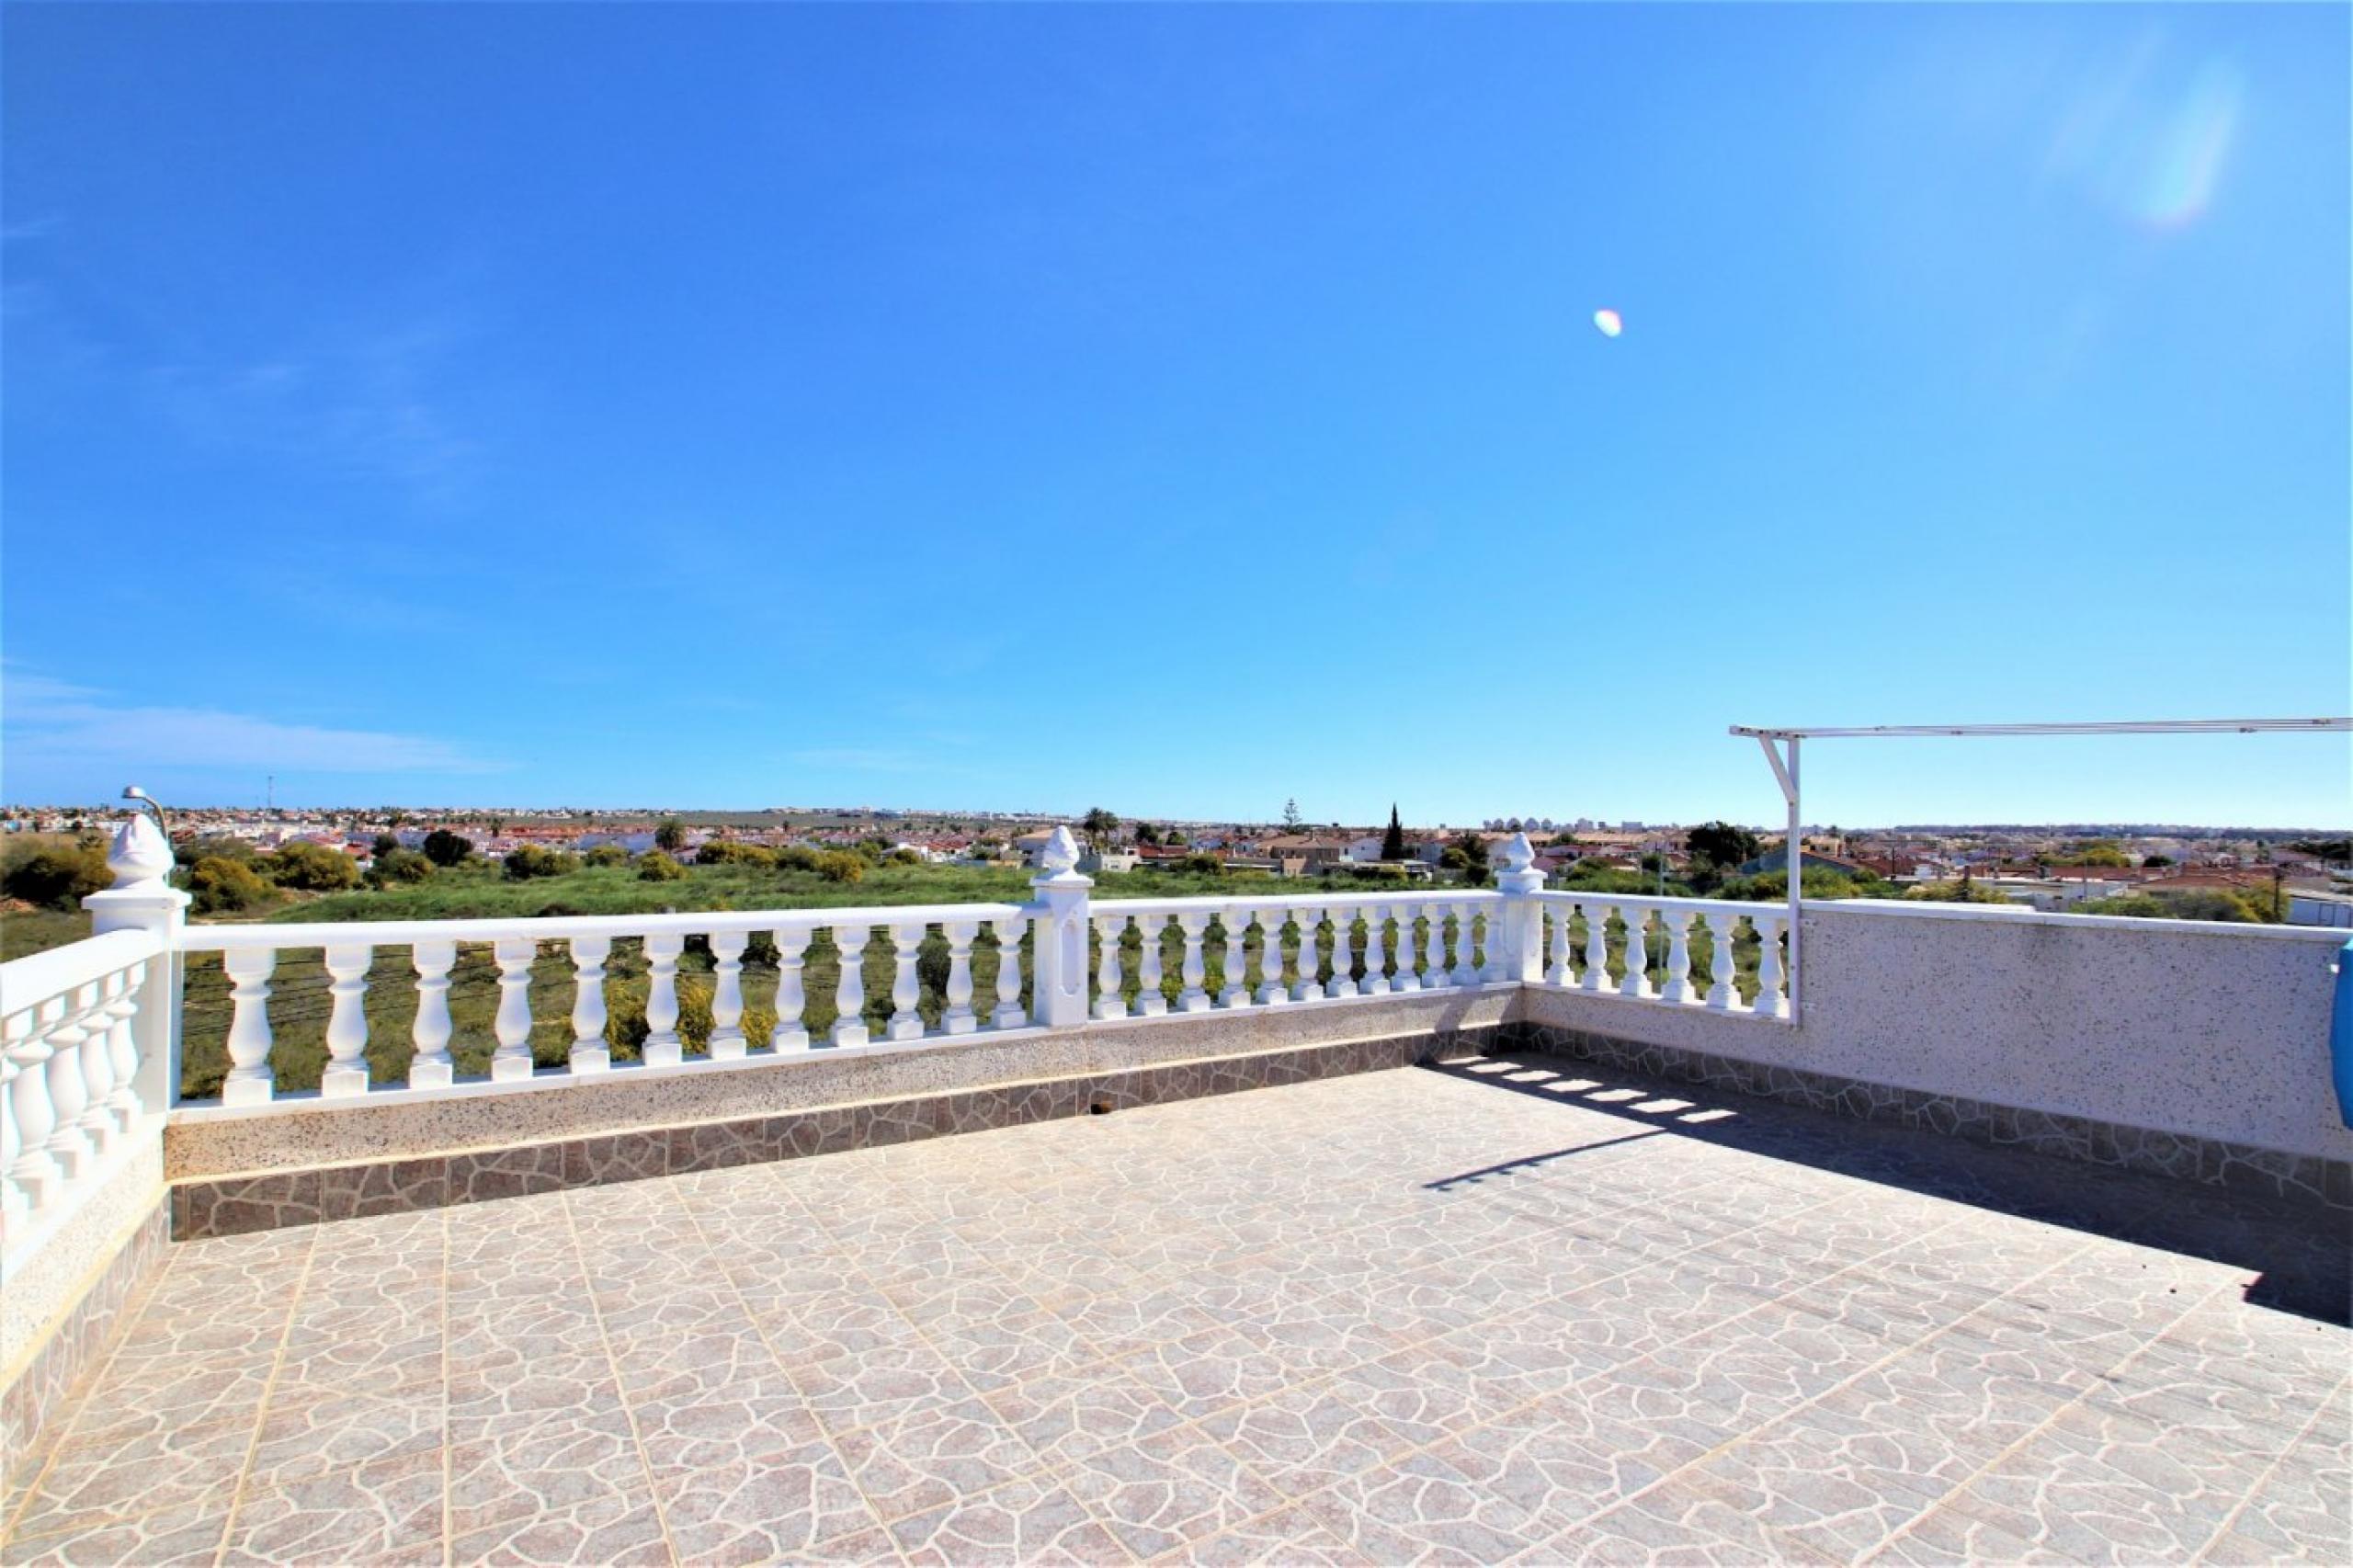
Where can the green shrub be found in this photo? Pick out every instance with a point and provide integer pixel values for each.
(840, 865)
(535, 860)
(727, 852)
(1963, 892)
(396, 866)
(656, 866)
(211, 846)
(223, 886)
(314, 868)
(605, 855)
(2187, 903)
(58, 875)
(797, 858)
(446, 849)
(906, 858)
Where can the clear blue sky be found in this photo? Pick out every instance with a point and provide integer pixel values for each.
(1175, 409)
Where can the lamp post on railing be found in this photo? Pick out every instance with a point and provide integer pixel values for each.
(141, 900)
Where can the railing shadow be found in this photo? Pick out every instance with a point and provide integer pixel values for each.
(2301, 1254)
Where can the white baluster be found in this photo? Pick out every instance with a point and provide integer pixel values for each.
(1304, 987)
(1596, 943)
(589, 1053)
(1108, 1003)
(1466, 959)
(69, 1093)
(956, 1017)
(1151, 1001)
(345, 1074)
(122, 1048)
(850, 991)
(248, 1081)
(1010, 1013)
(96, 1067)
(906, 986)
(431, 1068)
(1678, 956)
(1721, 993)
(1376, 950)
(33, 1178)
(1193, 998)
(1344, 954)
(1768, 1003)
(1636, 980)
(727, 1042)
(662, 1048)
(1272, 992)
(511, 1062)
(12, 1201)
(1557, 971)
(1491, 957)
(1235, 960)
(1434, 977)
(791, 1032)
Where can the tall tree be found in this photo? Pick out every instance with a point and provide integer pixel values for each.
(1393, 842)
(670, 837)
(1722, 843)
(1098, 824)
(1290, 814)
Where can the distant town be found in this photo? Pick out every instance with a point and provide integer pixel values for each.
(2048, 866)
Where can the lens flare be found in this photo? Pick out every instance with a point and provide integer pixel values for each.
(2186, 163)
(1609, 321)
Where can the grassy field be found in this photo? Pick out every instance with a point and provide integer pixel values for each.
(299, 1002)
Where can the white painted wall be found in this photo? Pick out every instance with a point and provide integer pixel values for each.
(2215, 1030)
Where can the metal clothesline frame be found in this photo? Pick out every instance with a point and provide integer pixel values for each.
(1784, 759)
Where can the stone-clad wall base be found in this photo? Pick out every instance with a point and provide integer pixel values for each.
(2298, 1177)
(71, 1347)
(226, 1206)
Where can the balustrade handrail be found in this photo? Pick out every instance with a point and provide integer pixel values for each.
(562, 927)
(1215, 902)
(28, 981)
(1655, 901)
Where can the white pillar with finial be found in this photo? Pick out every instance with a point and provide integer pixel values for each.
(1059, 915)
(1521, 922)
(142, 900)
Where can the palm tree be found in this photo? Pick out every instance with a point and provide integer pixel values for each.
(1098, 824)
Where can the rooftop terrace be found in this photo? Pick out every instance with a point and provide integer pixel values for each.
(1482, 1311)
(1449, 1224)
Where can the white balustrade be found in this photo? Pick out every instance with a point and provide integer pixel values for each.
(1380, 945)
(727, 1042)
(71, 1108)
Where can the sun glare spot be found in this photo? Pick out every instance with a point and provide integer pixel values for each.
(1609, 321)
(2187, 161)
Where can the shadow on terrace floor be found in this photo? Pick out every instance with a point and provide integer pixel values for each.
(2303, 1253)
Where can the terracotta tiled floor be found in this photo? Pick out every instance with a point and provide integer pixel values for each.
(1458, 1315)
